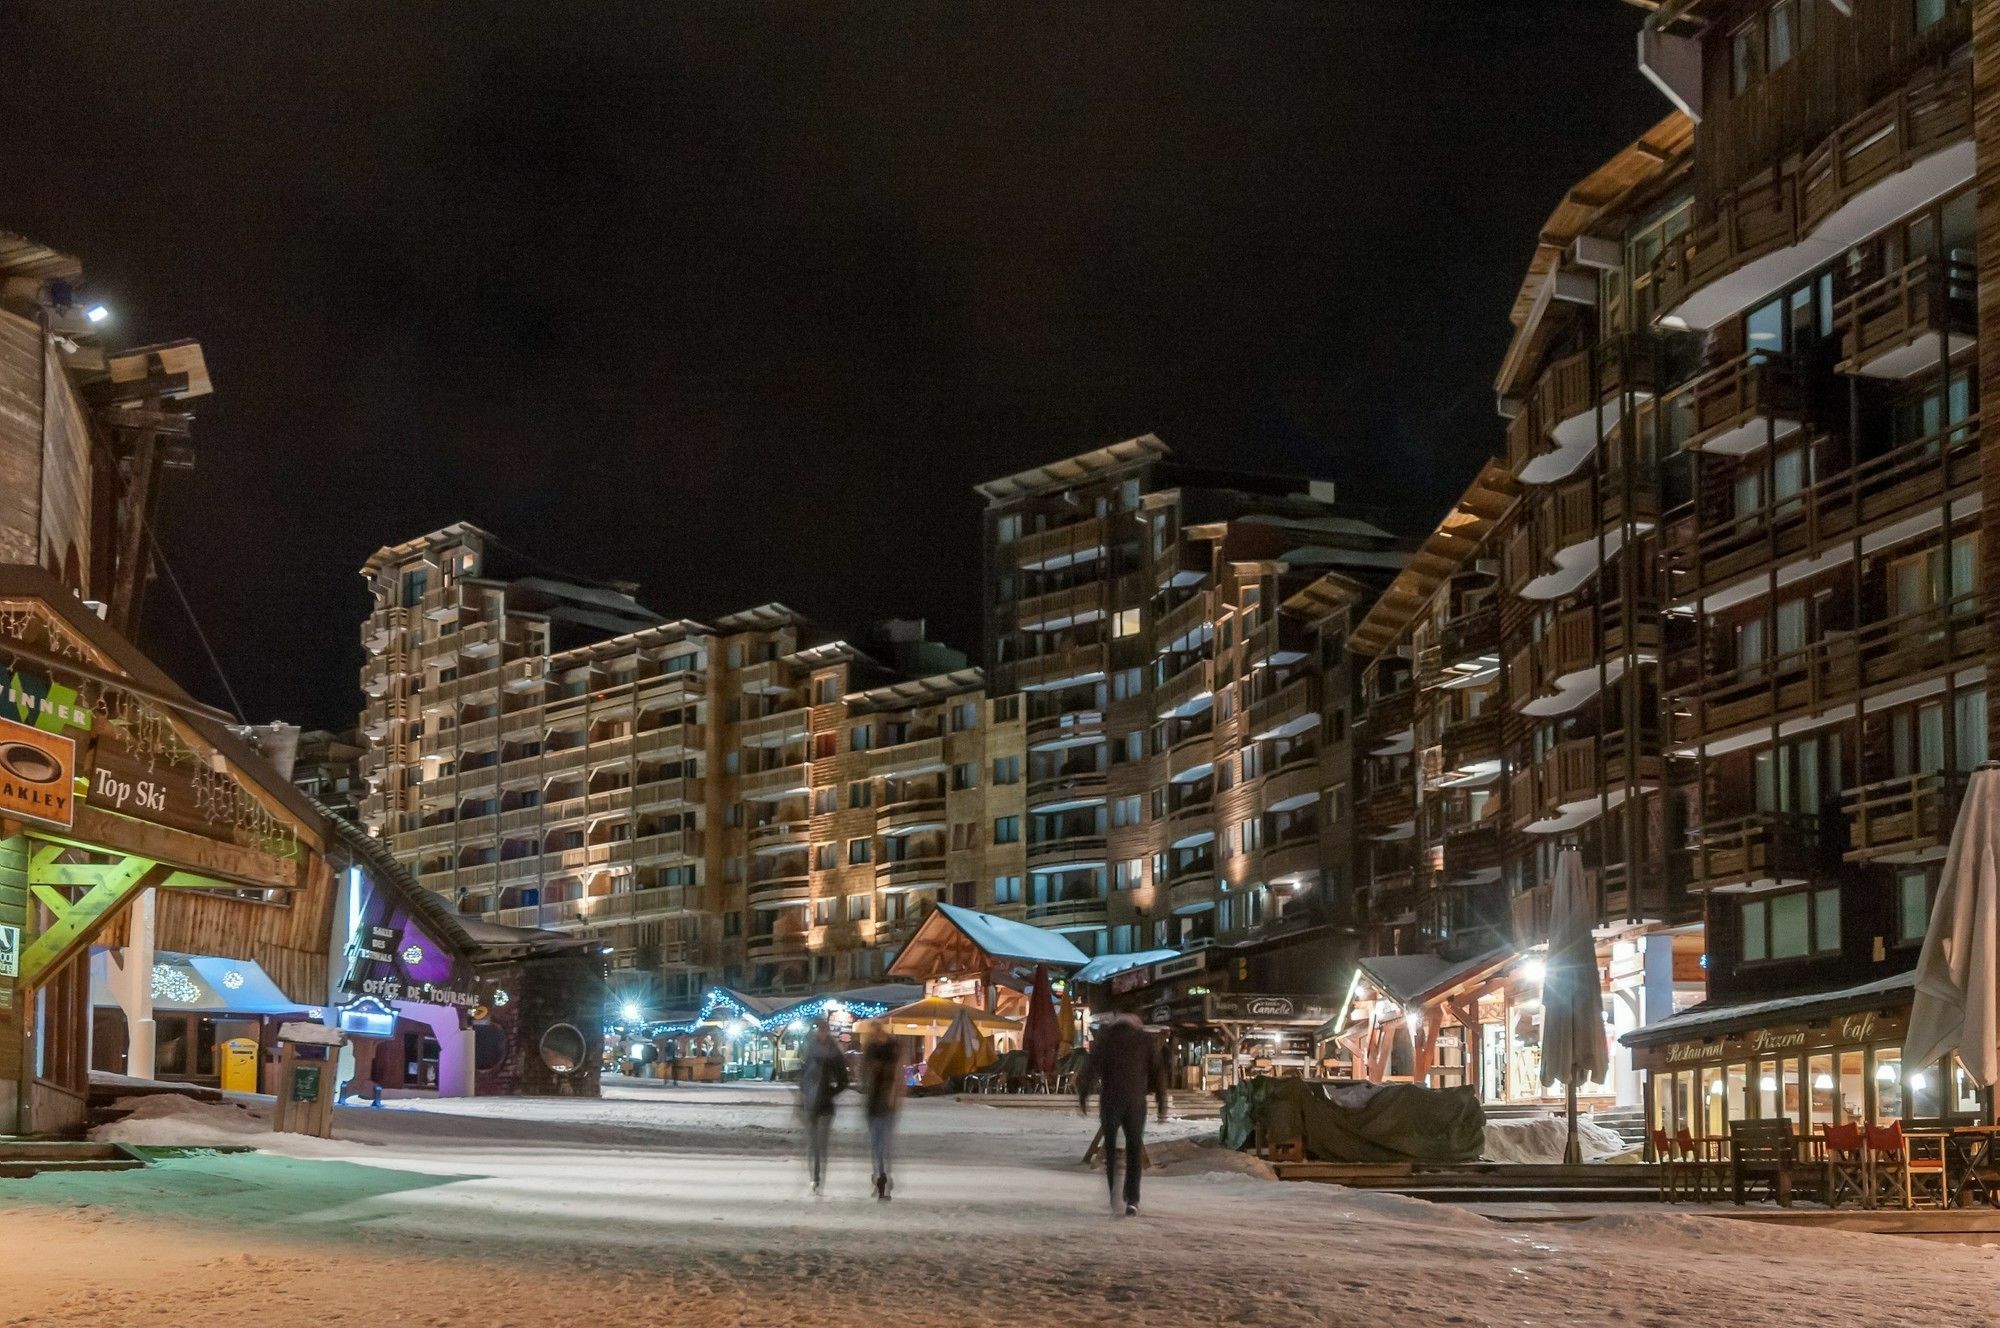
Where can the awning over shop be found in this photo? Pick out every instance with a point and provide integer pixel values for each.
(933, 1014)
(1419, 979)
(201, 984)
(1710, 1020)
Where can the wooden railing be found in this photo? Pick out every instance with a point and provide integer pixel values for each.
(1754, 385)
(1928, 295)
(1062, 542)
(1876, 491)
(1906, 814)
(1181, 619)
(1787, 203)
(1472, 740)
(1764, 846)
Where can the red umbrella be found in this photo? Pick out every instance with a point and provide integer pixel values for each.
(1041, 1037)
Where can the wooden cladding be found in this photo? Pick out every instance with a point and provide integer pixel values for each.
(1925, 297)
(1907, 815)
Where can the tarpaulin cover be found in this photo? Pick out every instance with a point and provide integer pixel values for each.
(1364, 1123)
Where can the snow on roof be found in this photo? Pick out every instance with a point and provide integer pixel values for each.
(199, 984)
(1003, 938)
(1408, 978)
(1105, 966)
(1707, 1017)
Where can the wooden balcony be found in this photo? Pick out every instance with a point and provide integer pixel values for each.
(1387, 806)
(1061, 667)
(1775, 210)
(1909, 320)
(1877, 492)
(1385, 717)
(1179, 623)
(779, 836)
(1472, 741)
(910, 815)
(1743, 404)
(1902, 819)
(779, 891)
(1185, 691)
(1067, 912)
(1080, 849)
(918, 872)
(787, 781)
(1752, 850)
(1802, 682)
(1070, 728)
(916, 757)
(1061, 608)
(1288, 710)
(1072, 784)
(775, 729)
(1079, 541)
(1469, 636)
(1469, 849)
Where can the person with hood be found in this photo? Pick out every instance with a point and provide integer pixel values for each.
(1124, 1066)
(882, 1093)
(822, 1077)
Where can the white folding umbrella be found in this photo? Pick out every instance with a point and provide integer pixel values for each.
(1573, 1047)
(1957, 1006)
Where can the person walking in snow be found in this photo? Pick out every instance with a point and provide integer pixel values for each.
(822, 1076)
(1124, 1066)
(882, 1092)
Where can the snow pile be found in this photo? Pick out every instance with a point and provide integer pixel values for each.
(1195, 1157)
(1543, 1139)
(168, 1119)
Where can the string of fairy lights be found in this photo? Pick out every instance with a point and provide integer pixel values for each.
(748, 1020)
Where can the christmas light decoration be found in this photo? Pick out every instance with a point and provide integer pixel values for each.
(170, 984)
(232, 980)
(413, 954)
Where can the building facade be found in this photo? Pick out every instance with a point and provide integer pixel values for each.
(1156, 760)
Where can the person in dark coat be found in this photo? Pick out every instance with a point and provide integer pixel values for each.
(822, 1077)
(1124, 1067)
(882, 1095)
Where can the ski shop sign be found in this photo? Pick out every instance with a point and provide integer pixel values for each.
(37, 775)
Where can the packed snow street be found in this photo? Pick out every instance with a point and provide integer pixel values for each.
(689, 1205)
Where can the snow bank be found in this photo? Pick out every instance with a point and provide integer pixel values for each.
(1195, 1157)
(1544, 1139)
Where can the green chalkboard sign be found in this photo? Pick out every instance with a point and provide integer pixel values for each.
(305, 1083)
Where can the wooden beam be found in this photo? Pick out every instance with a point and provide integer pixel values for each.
(77, 922)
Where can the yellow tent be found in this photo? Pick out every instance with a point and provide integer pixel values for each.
(928, 1018)
(962, 1049)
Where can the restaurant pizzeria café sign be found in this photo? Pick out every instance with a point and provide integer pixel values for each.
(1847, 1030)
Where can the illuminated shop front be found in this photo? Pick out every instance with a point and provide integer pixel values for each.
(436, 1002)
(1822, 1059)
(200, 1005)
(738, 1036)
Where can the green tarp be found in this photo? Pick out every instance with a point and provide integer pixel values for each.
(1393, 1123)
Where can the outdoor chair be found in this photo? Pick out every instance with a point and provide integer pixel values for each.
(1666, 1157)
(1847, 1170)
(1704, 1164)
(1762, 1153)
(1908, 1165)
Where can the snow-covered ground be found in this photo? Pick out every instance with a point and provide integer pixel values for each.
(687, 1205)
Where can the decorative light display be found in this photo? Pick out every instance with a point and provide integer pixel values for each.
(232, 980)
(718, 1005)
(413, 954)
(500, 996)
(170, 984)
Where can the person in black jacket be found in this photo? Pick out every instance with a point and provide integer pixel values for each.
(822, 1077)
(882, 1096)
(1124, 1066)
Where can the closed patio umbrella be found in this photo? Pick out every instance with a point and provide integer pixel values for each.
(1039, 1039)
(1573, 1047)
(1066, 1019)
(1957, 1005)
(961, 1049)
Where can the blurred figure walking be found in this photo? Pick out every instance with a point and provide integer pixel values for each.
(822, 1076)
(1124, 1066)
(882, 1092)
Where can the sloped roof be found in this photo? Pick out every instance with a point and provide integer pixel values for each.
(1413, 979)
(953, 939)
(1105, 967)
(1444, 551)
(1074, 470)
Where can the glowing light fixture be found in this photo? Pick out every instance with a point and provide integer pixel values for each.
(413, 954)
(1535, 970)
(629, 1012)
(1823, 1081)
(1885, 1072)
(97, 313)
(232, 980)
(1768, 1084)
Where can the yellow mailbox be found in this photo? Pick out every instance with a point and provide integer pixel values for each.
(239, 1065)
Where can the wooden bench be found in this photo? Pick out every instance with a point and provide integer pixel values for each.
(1766, 1152)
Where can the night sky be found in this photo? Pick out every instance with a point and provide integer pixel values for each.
(739, 300)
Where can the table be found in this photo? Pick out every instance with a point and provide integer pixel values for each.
(1968, 1150)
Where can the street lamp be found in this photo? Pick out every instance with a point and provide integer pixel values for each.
(629, 1012)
